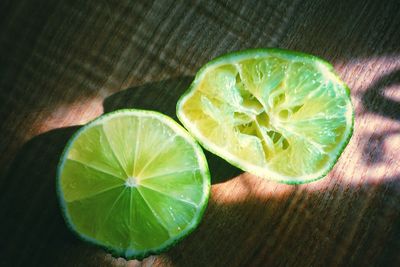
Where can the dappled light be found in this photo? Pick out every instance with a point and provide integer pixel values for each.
(65, 64)
(259, 217)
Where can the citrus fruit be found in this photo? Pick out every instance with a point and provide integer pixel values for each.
(278, 114)
(133, 182)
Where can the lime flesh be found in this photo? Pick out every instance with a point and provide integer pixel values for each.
(278, 114)
(134, 182)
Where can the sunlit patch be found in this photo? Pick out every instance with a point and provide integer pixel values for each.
(247, 186)
(66, 115)
(360, 73)
(392, 93)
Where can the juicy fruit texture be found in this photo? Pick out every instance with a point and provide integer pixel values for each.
(278, 114)
(134, 182)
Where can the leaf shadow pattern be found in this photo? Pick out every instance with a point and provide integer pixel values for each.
(374, 150)
(162, 96)
(376, 102)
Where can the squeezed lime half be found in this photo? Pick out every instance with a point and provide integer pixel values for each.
(278, 114)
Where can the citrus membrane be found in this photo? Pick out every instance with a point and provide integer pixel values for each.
(134, 182)
(275, 113)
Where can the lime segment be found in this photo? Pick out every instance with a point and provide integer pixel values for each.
(278, 114)
(100, 157)
(134, 182)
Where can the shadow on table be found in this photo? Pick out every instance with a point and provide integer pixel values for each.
(374, 99)
(33, 230)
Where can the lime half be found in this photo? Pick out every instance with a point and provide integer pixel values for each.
(134, 182)
(275, 113)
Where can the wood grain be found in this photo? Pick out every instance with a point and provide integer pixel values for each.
(63, 63)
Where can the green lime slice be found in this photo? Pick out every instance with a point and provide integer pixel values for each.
(278, 114)
(133, 182)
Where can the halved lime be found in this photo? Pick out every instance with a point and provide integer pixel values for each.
(275, 113)
(134, 182)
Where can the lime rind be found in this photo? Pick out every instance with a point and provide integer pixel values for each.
(131, 253)
(232, 58)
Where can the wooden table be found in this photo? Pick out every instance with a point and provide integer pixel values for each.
(63, 63)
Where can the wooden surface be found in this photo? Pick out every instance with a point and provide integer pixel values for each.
(63, 63)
